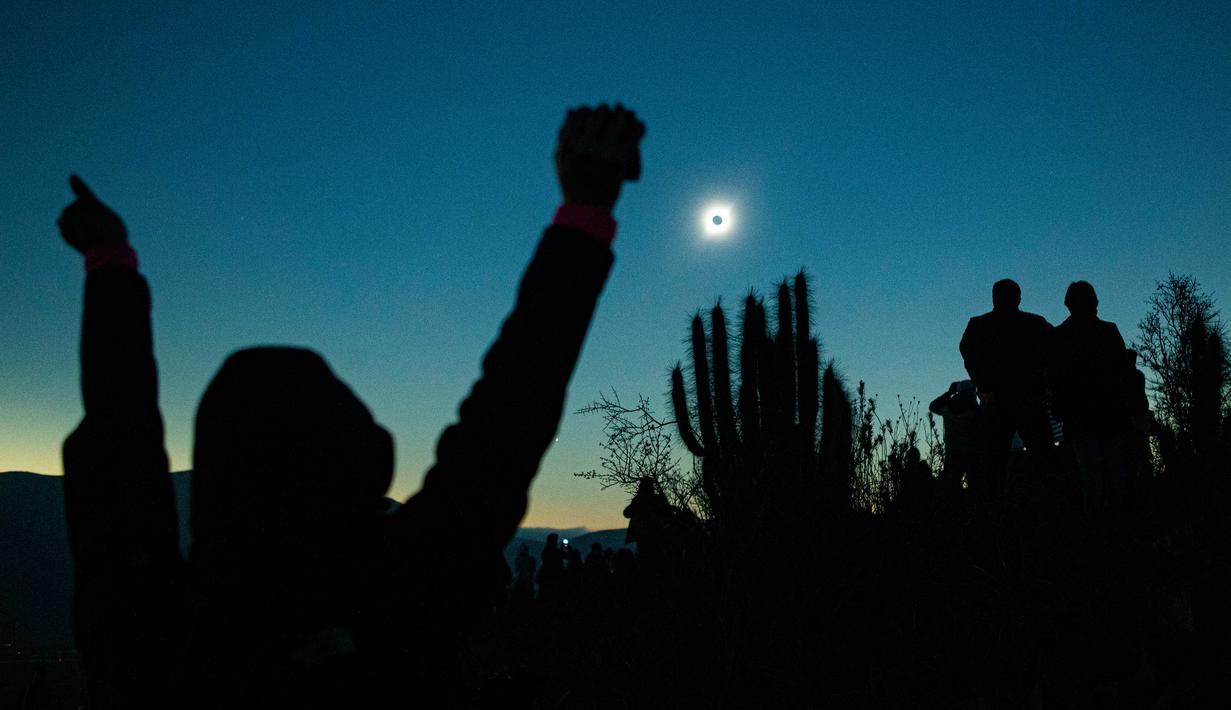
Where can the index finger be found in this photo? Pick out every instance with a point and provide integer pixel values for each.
(80, 189)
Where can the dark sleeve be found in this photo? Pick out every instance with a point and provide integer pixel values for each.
(1115, 342)
(118, 497)
(1050, 351)
(475, 493)
(1059, 366)
(969, 348)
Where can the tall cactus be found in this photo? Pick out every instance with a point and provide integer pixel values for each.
(760, 456)
(836, 442)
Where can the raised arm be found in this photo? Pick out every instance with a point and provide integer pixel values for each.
(118, 496)
(476, 491)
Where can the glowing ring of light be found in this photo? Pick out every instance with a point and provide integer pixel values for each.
(716, 220)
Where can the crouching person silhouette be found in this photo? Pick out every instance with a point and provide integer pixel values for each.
(299, 591)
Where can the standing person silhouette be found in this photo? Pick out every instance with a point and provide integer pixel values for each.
(552, 568)
(1094, 398)
(299, 591)
(1006, 353)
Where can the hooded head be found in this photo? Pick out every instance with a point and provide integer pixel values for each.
(1006, 295)
(283, 451)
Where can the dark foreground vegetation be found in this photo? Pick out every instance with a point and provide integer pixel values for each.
(1022, 603)
(813, 557)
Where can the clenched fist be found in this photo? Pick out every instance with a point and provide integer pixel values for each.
(596, 153)
(88, 223)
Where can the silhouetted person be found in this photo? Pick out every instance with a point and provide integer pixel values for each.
(597, 572)
(1141, 419)
(298, 591)
(1138, 401)
(1006, 354)
(917, 482)
(649, 517)
(624, 578)
(524, 567)
(521, 596)
(553, 565)
(1093, 398)
(502, 581)
(958, 409)
(574, 560)
(596, 560)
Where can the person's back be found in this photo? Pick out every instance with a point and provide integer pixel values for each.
(524, 568)
(1092, 376)
(649, 516)
(1093, 399)
(299, 590)
(917, 485)
(1007, 352)
(553, 560)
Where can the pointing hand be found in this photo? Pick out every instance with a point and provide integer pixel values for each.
(88, 223)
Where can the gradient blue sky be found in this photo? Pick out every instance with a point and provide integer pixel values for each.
(369, 179)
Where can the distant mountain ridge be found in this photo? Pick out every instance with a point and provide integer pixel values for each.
(37, 572)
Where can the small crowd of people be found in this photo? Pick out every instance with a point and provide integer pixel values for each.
(1075, 383)
(564, 572)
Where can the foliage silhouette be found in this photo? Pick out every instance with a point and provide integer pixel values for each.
(1182, 343)
(638, 446)
(1174, 343)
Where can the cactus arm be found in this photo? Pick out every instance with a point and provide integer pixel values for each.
(682, 421)
(725, 409)
(749, 402)
(784, 347)
(705, 399)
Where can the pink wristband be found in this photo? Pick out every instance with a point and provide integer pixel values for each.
(120, 255)
(591, 220)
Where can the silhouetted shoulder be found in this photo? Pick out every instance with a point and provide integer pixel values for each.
(975, 328)
(1036, 321)
(980, 320)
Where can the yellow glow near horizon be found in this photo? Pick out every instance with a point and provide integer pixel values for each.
(717, 220)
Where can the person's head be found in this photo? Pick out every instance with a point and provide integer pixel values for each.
(284, 452)
(1080, 299)
(1006, 295)
(552, 541)
(1130, 356)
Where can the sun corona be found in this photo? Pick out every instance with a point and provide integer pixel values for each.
(716, 221)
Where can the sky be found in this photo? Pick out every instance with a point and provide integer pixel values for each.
(370, 179)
